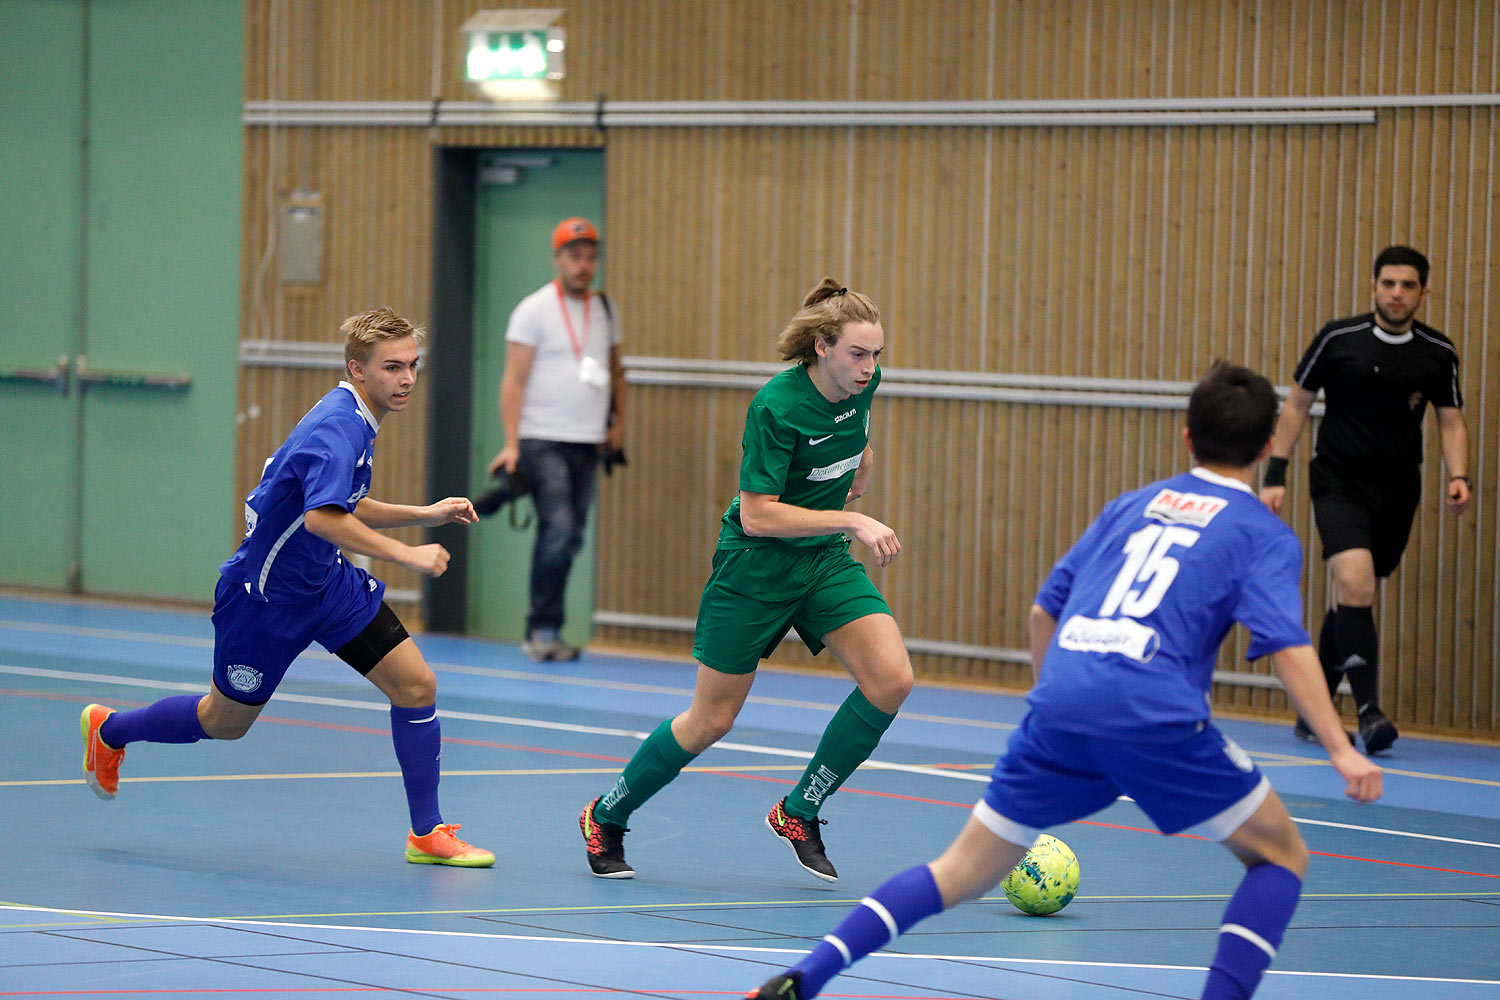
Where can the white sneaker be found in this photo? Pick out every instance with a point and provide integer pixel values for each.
(545, 646)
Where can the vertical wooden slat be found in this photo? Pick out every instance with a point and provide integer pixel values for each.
(1110, 252)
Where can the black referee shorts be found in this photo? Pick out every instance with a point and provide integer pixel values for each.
(1356, 513)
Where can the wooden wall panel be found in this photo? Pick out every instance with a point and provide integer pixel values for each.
(890, 50)
(1114, 252)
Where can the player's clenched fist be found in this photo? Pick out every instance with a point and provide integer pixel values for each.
(430, 560)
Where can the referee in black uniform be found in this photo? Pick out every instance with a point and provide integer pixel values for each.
(1378, 372)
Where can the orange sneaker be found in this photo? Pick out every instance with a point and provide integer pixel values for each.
(101, 762)
(441, 847)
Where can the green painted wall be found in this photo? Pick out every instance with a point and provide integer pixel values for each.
(157, 282)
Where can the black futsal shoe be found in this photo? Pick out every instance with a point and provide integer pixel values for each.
(605, 843)
(1376, 731)
(805, 840)
(787, 986)
(1304, 732)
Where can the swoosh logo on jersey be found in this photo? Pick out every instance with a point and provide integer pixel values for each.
(820, 440)
(418, 722)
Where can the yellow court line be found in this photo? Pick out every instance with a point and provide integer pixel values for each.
(1280, 759)
(513, 772)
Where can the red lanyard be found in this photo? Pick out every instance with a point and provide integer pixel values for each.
(568, 320)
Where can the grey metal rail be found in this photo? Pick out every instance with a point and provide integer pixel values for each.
(56, 376)
(173, 381)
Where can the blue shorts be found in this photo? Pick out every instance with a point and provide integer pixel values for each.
(1201, 782)
(256, 641)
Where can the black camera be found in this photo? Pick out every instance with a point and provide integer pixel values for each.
(508, 486)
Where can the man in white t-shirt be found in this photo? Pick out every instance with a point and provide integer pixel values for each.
(562, 405)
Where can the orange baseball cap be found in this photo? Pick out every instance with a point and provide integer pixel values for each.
(573, 230)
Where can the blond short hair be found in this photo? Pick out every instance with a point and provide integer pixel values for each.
(363, 331)
(824, 312)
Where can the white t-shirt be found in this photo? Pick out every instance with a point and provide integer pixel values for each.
(559, 405)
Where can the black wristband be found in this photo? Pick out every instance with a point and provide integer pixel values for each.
(1275, 472)
(1467, 481)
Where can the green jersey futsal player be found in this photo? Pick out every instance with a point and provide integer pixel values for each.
(783, 561)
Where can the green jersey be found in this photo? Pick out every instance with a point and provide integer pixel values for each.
(801, 448)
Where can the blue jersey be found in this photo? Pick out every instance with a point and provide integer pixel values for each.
(1146, 596)
(324, 462)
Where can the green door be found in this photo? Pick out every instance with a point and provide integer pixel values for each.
(523, 195)
(119, 267)
(162, 287)
(41, 121)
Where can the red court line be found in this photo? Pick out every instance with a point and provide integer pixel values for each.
(341, 727)
(529, 990)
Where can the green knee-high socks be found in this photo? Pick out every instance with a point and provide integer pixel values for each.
(850, 738)
(659, 759)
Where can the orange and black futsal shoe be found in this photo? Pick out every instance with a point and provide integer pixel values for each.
(805, 840)
(787, 986)
(605, 843)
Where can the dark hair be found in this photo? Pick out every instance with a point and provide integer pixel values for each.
(1401, 256)
(1231, 415)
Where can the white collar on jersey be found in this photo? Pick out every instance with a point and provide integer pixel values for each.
(359, 401)
(1390, 338)
(1214, 477)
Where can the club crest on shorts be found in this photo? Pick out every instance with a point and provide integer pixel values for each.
(244, 678)
(1237, 756)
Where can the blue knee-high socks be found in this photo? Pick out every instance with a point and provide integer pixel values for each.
(418, 738)
(171, 720)
(1254, 923)
(889, 911)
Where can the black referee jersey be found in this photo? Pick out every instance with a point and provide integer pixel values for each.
(1377, 386)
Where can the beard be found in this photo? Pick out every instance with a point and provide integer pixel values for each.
(1391, 320)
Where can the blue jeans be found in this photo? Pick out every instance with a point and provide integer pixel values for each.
(563, 475)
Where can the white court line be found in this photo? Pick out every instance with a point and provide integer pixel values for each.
(568, 727)
(699, 948)
(164, 639)
(504, 720)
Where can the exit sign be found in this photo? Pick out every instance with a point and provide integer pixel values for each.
(515, 55)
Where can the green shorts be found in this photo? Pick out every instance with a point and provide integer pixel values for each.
(755, 594)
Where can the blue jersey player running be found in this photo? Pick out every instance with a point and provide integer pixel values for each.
(287, 586)
(1120, 703)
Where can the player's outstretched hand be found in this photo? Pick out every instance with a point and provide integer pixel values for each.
(1273, 497)
(429, 560)
(450, 510)
(1364, 777)
(881, 539)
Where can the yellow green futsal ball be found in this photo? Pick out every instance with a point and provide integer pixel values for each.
(1046, 879)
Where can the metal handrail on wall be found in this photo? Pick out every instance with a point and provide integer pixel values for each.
(921, 383)
(708, 114)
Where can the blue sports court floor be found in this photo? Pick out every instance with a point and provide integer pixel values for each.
(272, 867)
